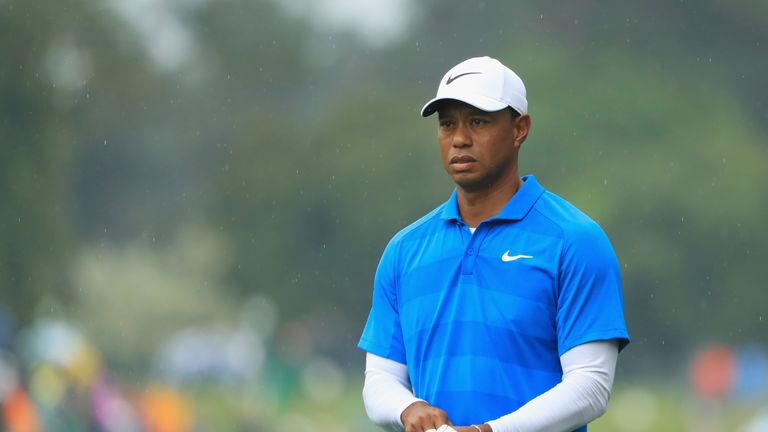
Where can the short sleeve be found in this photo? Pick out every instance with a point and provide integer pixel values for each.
(590, 304)
(383, 334)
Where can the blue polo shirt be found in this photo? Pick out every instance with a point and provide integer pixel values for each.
(482, 319)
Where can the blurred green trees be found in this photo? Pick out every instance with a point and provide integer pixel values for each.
(35, 162)
(303, 151)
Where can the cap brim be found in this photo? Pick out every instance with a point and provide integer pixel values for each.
(478, 101)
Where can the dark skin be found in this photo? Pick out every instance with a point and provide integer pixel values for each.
(479, 150)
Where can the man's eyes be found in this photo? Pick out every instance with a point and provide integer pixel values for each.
(474, 122)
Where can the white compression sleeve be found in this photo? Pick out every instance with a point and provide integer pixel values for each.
(386, 391)
(581, 397)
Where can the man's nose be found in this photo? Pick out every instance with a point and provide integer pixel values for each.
(461, 137)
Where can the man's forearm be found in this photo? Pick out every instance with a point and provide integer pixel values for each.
(386, 392)
(581, 397)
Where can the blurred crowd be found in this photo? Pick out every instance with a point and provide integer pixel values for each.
(53, 378)
(58, 382)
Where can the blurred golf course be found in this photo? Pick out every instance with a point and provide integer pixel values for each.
(196, 195)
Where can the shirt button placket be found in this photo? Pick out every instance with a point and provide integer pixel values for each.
(473, 249)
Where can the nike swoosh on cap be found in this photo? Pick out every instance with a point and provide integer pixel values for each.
(454, 78)
(507, 258)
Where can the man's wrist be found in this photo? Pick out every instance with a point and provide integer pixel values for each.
(485, 427)
(409, 406)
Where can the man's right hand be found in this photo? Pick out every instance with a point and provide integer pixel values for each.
(421, 416)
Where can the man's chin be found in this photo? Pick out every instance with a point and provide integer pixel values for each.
(467, 182)
(470, 189)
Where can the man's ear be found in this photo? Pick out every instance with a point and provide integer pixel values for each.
(522, 127)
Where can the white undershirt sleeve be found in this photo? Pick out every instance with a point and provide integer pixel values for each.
(386, 391)
(581, 397)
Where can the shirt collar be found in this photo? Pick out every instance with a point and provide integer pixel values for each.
(516, 209)
(451, 207)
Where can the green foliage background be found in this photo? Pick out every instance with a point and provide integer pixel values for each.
(280, 157)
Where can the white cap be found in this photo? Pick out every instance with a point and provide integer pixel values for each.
(482, 82)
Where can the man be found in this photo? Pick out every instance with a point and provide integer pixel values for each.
(501, 310)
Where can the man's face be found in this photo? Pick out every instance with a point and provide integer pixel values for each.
(479, 148)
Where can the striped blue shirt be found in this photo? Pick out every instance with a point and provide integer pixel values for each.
(482, 319)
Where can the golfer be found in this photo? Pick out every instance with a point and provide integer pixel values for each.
(500, 310)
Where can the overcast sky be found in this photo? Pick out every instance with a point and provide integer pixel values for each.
(170, 44)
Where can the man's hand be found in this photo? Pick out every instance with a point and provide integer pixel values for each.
(421, 416)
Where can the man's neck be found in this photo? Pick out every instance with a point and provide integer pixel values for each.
(479, 205)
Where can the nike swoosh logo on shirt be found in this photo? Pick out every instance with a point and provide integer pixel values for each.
(507, 258)
(454, 78)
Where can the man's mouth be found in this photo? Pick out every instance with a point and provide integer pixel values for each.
(461, 159)
(462, 162)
